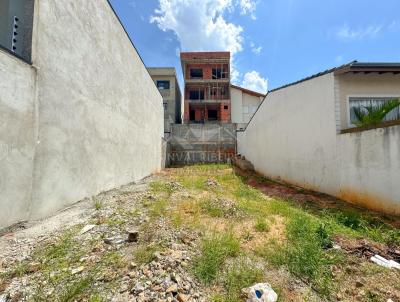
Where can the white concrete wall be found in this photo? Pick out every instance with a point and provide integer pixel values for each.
(293, 137)
(293, 128)
(17, 126)
(369, 165)
(236, 106)
(99, 115)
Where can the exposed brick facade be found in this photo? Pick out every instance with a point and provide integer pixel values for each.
(206, 94)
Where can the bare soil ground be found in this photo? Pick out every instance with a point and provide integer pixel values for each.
(204, 233)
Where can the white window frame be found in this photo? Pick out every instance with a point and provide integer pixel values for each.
(364, 96)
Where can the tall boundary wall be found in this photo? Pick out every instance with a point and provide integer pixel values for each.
(84, 117)
(293, 136)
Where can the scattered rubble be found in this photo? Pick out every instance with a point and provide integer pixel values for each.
(122, 226)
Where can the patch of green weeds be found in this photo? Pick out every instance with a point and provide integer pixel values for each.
(239, 275)
(161, 187)
(146, 253)
(372, 297)
(261, 225)
(158, 207)
(304, 253)
(211, 208)
(193, 182)
(324, 236)
(246, 192)
(74, 289)
(96, 298)
(358, 224)
(215, 250)
(112, 259)
(98, 205)
(115, 222)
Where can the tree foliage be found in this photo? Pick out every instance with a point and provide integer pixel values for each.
(373, 115)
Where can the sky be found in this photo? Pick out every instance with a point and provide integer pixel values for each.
(272, 42)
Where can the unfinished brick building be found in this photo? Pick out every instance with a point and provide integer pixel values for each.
(207, 87)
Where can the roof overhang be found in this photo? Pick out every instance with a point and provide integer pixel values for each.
(248, 91)
(366, 68)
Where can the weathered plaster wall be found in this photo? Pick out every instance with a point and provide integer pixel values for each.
(99, 116)
(17, 91)
(293, 137)
(369, 165)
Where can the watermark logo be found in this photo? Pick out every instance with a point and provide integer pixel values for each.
(189, 144)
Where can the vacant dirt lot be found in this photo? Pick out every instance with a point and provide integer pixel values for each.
(202, 233)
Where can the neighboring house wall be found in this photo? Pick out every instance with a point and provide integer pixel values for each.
(17, 129)
(378, 85)
(244, 105)
(98, 114)
(171, 97)
(293, 137)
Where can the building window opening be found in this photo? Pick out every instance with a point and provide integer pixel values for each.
(223, 91)
(192, 115)
(365, 102)
(163, 85)
(226, 107)
(212, 115)
(196, 73)
(16, 21)
(218, 73)
(196, 94)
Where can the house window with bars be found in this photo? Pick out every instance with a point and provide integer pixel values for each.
(362, 102)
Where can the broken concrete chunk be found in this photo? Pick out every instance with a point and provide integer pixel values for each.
(261, 292)
(77, 270)
(182, 298)
(133, 235)
(86, 228)
(172, 289)
(113, 240)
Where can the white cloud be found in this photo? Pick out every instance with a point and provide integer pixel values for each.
(200, 25)
(248, 7)
(254, 49)
(347, 33)
(254, 81)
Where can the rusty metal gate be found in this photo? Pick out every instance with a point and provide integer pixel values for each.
(201, 143)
